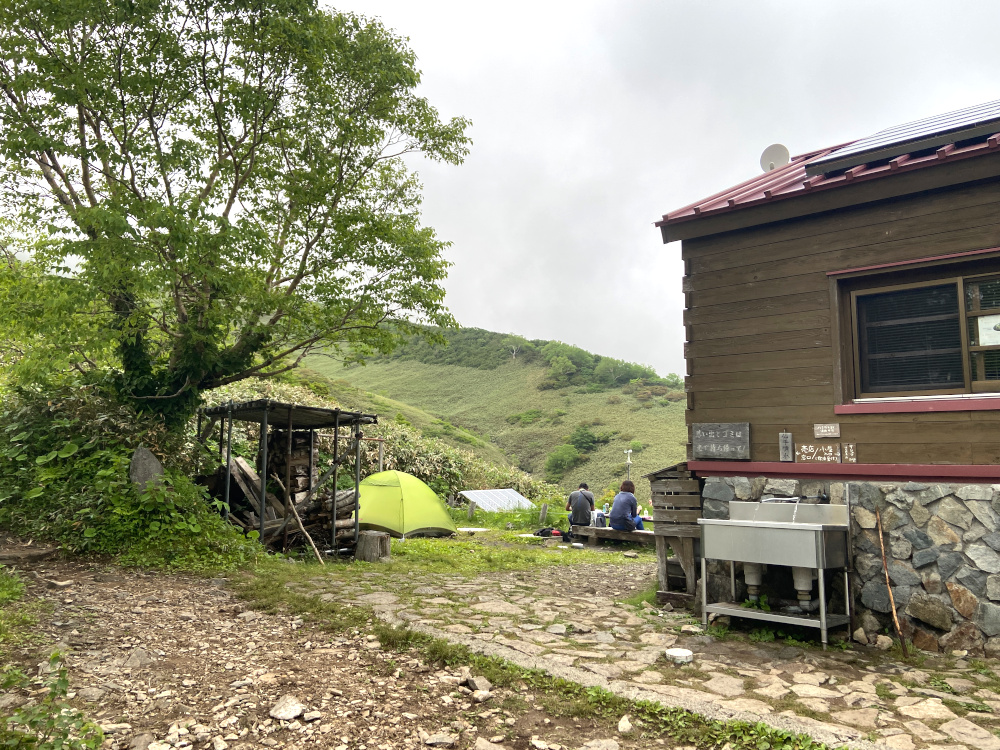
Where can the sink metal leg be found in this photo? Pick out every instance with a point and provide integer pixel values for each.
(732, 581)
(704, 594)
(822, 606)
(847, 602)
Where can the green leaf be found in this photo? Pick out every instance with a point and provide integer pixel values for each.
(33, 493)
(46, 458)
(18, 438)
(90, 533)
(68, 450)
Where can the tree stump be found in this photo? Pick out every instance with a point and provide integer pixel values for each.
(543, 514)
(472, 509)
(372, 546)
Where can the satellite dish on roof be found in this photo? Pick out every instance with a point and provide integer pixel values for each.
(774, 156)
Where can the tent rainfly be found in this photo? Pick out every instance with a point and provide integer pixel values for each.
(402, 505)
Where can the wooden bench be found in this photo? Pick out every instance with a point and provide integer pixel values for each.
(595, 534)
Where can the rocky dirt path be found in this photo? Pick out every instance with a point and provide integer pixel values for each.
(166, 662)
(571, 623)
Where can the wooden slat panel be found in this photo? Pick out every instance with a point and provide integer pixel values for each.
(725, 311)
(674, 485)
(725, 381)
(762, 326)
(641, 536)
(664, 502)
(677, 530)
(777, 396)
(791, 341)
(808, 281)
(867, 224)
(809, 415)
(676, 516)
(766, 362)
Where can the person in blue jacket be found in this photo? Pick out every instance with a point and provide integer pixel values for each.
(625, 509)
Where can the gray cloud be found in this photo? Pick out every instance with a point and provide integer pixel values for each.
(592, 119)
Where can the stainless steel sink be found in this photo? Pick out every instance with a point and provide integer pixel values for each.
(794, 534)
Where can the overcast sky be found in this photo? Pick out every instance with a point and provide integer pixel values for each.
(592, 119)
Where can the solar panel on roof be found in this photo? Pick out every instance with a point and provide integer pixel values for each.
(495, 500)
(972, 122)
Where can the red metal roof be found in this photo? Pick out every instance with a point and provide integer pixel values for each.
(791, 181)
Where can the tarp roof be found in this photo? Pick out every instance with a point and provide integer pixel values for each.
(303, 417)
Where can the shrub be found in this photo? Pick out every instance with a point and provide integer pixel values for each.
(561, 460)
(636, 446)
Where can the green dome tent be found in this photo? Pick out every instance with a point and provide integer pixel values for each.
(402, 505)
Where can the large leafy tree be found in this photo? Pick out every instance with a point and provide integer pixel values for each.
(200, 191)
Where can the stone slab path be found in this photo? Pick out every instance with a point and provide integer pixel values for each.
(571, 622)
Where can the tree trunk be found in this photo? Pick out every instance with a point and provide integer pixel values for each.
(373, 546)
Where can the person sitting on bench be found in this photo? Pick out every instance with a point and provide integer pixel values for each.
(580, 505)
(625, 509)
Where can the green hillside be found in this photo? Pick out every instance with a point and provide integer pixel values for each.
(514, 404)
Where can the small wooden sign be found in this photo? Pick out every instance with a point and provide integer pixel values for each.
(818, 453)
(849, 453)
(826, 430)
(722, 440)
(786, 447)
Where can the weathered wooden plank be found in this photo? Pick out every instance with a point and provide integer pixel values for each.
(674, 485)
(865, 222)
(725, 310)
(677, 530)
(675, 516)
(725, 381)
(664, 502)
(594, 532)
(762, 325)
(780, 395)
(809, 281)
(787, 341)
(766, 362)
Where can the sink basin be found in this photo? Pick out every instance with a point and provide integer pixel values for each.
(795, 534)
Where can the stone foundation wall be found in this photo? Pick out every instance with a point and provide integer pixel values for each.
(942, 544)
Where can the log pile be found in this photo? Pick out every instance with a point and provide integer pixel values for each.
(317, 513)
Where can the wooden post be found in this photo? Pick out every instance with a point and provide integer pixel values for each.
(472, 509)
(543, 514)
(662, 574)
(888, 585)
(373, 546)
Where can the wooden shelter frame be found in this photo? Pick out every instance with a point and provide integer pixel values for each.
(293, 417)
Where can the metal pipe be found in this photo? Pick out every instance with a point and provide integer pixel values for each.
(263, 468)
(357, 485)
(222, 431)
(288, 471)
(229, 459)
(197, 449)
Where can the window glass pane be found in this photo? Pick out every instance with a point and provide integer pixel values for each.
(982, 294)
(910, 340)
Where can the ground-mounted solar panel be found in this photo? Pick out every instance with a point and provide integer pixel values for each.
(497, 500)
(980, 121)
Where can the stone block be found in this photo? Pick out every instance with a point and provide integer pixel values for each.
(893, 518)
(984, 557)
(963, 600)
(875, 595)
(925, 640)
(714, 509)
(975, 533)
(993, 587)
(964, 637)
(716, 489)
(949, 563)
(984, 514)
(920, 515)
(838, 494)
(934, 493)
(915, 487)
(867, 541)
(917, 538)
(865, 494)
(972, 579)
(924, 557)
(992, 648)
(902, 574)
(955, 513)
(993, 540)
(782, 487)
(900, 499)
(742, 488)
(942, 534)
(931, 610)
(867, 565)
(757, 486)
(902, 594)
(931, 581)
(900, 548)
(864, 517)
(988, 618)
(975, 492)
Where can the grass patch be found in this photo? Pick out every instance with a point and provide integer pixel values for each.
(647, 595)
(17, 619)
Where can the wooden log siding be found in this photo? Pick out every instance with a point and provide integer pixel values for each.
(760, 328)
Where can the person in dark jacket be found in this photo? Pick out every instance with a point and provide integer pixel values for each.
(625, 509)
(580, 505)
